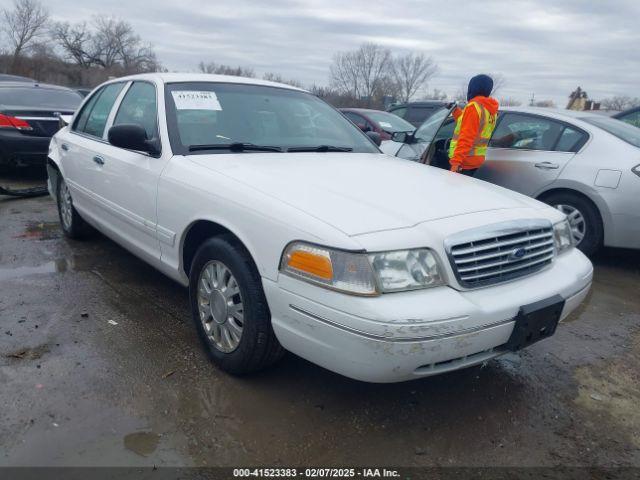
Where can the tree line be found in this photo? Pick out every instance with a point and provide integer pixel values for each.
(76, 54)
(88, 53)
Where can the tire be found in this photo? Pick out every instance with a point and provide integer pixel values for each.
(578, 209)
(257, 346)
(71, 222)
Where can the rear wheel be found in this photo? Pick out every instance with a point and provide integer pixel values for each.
(584, 218)
(71, 222)
(229, 308)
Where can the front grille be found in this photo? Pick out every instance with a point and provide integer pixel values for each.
(505, 252)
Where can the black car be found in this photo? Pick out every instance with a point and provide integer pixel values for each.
(631, 116)
(29, 116)
(417, 112)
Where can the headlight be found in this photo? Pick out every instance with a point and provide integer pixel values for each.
(361, 273)
(406, 269)
(562, 236)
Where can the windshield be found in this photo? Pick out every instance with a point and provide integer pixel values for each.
(429, 128)
(622, 130)
(205, 117)
(389, 122)
(39, 97)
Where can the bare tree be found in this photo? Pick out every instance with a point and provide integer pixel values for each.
(76, 42)
(24, 24)
(362, 73)
(619, 102)
(435, 94)
(411, 72)
(221, 69)
(543, 103)
(499, 81)
(509, 102)
(108, 42)
(276, 77)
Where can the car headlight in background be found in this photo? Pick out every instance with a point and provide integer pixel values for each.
(636, 170)
(362, 273)
(562, 236)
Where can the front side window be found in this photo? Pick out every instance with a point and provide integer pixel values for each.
(206, 117)
(92, 120)
(427, 131)
(526, 132)
(139, 107)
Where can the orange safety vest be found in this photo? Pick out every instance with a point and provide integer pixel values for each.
(487, 125)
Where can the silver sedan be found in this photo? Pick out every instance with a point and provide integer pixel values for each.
(586, 165)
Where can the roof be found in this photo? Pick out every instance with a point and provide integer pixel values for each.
(204, 77)
(552, 112)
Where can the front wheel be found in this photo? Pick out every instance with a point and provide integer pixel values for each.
(584, 219)
(229, 308)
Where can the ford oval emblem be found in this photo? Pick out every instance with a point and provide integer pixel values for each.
(517, 254)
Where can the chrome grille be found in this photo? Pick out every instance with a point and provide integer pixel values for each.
(503, 252)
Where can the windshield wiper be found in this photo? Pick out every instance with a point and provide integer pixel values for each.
(320, 148)
(235, 147)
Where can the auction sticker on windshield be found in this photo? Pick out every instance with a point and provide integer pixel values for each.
(195, 100)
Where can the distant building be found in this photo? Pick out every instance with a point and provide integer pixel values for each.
(579, 100)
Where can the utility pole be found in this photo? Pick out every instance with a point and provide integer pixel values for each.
(533, 97)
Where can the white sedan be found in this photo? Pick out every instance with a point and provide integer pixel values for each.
(586, 165)
(293, 232)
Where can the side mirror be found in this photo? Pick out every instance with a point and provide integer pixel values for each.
(132, 137)
(403, 137)
(375, 137)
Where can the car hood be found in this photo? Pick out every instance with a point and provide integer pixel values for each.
(362, 193)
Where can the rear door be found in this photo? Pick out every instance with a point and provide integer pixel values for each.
(80, 160)
(527, 152)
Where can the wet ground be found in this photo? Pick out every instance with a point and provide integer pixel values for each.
(100, 365)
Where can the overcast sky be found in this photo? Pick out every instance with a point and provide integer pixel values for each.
(546, 47)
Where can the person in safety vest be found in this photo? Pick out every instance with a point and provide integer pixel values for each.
(474, 126)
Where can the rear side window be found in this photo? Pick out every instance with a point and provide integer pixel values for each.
(526, 132)
(139, 108)
(570, 140)
(94, 115)
(418, 114)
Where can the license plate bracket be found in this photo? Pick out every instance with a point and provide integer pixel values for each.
(535, 322)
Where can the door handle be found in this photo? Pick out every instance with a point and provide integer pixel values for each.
(547, 165)
(65, 147)
(98, 159)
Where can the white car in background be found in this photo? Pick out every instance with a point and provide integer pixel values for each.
(584, 164)
(292, 231)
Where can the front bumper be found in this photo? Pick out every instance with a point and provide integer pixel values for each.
(404, 336)
(21, 150)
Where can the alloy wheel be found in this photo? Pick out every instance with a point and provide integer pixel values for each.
(576, 221)
(220, 306)
(66, 206)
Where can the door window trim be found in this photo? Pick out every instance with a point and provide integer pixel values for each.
(98, 92)
(116, 109)
(564, 124)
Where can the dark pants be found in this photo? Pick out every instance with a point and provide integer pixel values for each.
(470, 172)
